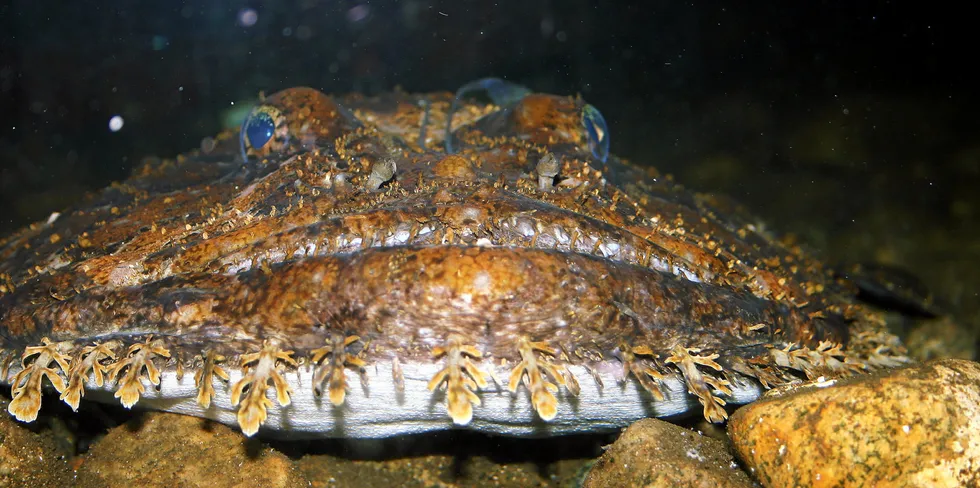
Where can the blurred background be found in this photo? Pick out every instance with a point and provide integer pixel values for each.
(851, 125)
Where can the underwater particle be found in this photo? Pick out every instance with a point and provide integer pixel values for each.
(547, 27)
(501, 92)
(115, 123)
(247, 17)
(160, 42)
(358, 13)
(598, 132)
(208, 144)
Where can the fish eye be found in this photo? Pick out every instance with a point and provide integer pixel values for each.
(501, 92)
(597, 132)
(258, 129)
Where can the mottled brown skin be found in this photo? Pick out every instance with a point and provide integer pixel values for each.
(466, 244)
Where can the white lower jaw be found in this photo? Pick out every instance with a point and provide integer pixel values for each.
(378, 410)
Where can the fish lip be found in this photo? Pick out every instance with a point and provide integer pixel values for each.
(417, 410)
(520, 225)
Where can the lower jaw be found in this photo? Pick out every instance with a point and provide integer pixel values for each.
(375, 408)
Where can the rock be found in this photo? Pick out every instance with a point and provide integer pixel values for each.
(943, 337)
(654, 453)
(917, 426)
(168, 450)
(29, 459)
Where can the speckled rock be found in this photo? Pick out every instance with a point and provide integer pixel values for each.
(168, 450)
(654, 453)
(918, 426)
(29, 459)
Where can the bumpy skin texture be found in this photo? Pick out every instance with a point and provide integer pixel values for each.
(311, 239)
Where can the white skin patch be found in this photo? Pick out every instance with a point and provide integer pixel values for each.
(378, 410)
(482, 281)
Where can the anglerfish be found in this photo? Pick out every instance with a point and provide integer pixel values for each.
(367, 267)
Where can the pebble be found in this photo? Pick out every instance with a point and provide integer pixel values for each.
(916, 426)
(653, 453)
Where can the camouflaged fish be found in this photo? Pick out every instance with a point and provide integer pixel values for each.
(367, 267)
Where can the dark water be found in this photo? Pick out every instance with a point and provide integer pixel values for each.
(761, 91)
(853, 126)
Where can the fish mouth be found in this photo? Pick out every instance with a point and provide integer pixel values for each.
(463, 290)
(533, 271)
(309, 295)
(375, 408)
(495, 220)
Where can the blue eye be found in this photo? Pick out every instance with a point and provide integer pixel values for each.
(501, 92)
(597, 131)
(257, 130)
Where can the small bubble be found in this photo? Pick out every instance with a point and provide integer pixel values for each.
(547, 27)
(160, 42)
(208, 144)
(287, 31)
(115, 123)
(247, 17)
(304, 33)
(358, 13)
